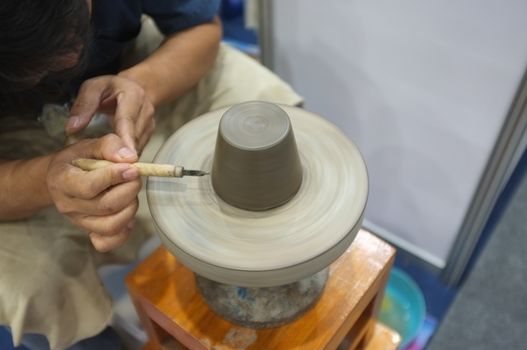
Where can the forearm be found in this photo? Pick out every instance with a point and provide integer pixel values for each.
(178, 64)
(23, 189)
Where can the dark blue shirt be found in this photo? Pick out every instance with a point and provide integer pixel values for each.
(116, 22)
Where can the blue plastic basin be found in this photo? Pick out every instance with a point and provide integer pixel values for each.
(403, 307)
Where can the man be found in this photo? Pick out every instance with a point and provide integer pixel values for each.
(75, 51)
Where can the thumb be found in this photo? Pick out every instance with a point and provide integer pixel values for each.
(86, 104)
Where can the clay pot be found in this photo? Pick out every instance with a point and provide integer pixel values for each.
(256, 164)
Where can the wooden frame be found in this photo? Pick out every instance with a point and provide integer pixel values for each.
(175, 316)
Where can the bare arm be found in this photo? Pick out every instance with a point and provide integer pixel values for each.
(179, 63)
(23, 187)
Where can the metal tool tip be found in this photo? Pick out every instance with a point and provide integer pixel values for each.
(194, 173)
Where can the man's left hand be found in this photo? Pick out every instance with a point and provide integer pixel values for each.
(123, 99)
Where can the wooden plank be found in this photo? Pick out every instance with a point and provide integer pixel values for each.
(171, 299)
(384, 338)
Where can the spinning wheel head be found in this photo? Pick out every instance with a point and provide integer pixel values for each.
(312, 215)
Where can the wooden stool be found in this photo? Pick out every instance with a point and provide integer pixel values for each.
(175, 316)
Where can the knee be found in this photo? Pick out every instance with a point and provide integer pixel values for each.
(238, 78)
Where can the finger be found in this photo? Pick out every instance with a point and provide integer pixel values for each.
(112, 147)
(86, 104)
(144, 123)
(141, 143)
(89, 184)
(145, 137)
(107, 203)
(106, 243)
(108, 225)
(126, 115)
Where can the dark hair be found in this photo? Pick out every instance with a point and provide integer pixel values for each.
(34, 34)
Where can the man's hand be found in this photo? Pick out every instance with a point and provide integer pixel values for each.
(131, 110)
(103, 201)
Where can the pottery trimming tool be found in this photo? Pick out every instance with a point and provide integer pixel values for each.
(145, 169)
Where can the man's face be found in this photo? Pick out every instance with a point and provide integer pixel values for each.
(65, 61)
(71, 59)
(47, 64)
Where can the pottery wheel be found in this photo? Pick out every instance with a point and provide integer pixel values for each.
(267, 248)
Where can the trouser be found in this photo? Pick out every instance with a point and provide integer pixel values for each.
(48, 268)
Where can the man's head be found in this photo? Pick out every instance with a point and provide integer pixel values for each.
(43, 44)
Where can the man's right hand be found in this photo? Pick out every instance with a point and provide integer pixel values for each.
(102, 201)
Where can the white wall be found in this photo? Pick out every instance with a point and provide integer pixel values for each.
(422, 87)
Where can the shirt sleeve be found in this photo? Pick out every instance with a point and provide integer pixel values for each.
(175, 15)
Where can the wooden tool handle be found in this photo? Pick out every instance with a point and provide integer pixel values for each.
(145, 169)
